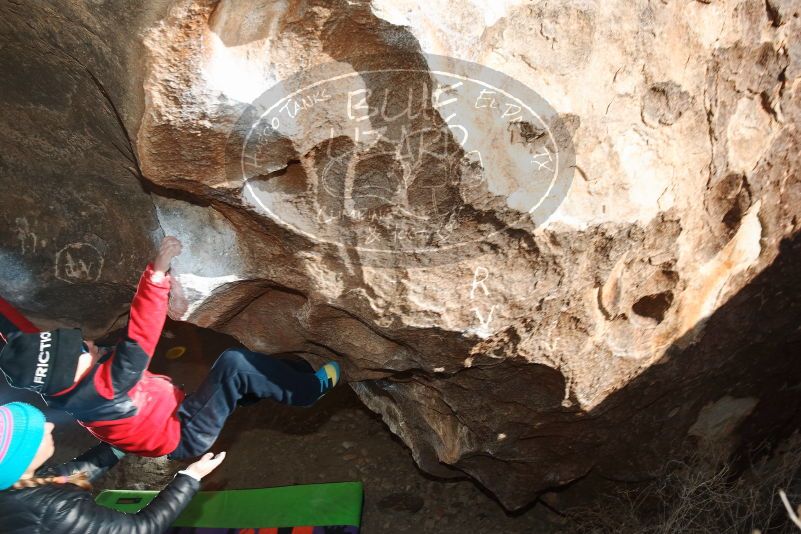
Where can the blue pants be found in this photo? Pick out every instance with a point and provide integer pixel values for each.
(240, 376)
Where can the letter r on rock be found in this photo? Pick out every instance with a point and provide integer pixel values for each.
(483, 273)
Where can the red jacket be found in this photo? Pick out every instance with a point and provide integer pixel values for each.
(119, 400)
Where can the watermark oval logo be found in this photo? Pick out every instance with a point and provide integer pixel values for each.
(402, 158)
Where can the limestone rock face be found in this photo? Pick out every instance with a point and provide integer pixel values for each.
(642, 299)
(75, 223)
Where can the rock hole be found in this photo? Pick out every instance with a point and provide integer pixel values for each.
(773, 14)
(733, 217)
(525, 132)
(664, 103)
(653, 306)
(727, 202)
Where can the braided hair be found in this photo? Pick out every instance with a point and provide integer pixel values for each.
(78, 479)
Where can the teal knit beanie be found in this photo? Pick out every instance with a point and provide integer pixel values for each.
(21, 433)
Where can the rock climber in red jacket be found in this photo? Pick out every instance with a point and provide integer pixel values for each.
(110, 391)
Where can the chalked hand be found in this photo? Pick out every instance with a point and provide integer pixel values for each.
(170, 248)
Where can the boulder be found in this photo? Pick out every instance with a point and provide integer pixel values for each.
(588, 284)
(76, 222)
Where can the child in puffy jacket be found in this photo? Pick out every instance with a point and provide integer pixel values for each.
(110, 391)
(57, 500)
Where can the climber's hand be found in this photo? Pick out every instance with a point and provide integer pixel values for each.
(170, 247)
(207, 463)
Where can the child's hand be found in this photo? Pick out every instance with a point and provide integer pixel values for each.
(207, 463)
(170, 247)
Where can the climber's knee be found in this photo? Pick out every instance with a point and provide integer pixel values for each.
(230, 361)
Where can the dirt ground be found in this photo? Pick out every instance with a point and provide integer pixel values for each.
(338, 439)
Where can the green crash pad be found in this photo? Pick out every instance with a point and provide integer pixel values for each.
(306, 505)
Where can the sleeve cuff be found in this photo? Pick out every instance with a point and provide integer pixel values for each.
(157, 278)
(187, 473)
